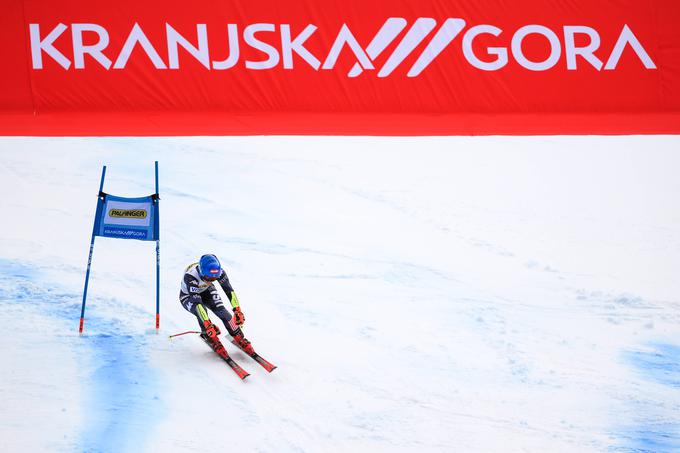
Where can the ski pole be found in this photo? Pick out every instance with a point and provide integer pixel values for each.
(182, 333)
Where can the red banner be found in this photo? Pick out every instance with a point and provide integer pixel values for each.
(404, 67)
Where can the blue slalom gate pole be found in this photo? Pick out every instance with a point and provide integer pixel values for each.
(89, 259)
(158, 257)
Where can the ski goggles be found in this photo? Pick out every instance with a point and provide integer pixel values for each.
(209, 279)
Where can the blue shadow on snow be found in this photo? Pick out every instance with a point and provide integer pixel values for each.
(655, 434)
(124, 403)
(122, 391)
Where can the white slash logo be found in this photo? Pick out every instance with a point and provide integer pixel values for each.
(418, 32)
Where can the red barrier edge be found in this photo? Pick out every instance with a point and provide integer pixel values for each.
(295, 123)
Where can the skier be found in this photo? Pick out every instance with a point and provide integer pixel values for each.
(198, 292)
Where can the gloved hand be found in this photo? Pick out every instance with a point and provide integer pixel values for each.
(239, 317)
(211, 330)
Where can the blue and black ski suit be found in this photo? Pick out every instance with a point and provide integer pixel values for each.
(195, 291)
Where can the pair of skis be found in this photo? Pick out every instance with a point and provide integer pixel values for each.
(217, 346)
(222, 353)
(219, 349)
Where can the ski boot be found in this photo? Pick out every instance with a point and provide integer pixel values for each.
(210, 336)
(244, 344)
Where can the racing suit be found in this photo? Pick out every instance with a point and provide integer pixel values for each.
(195, 291)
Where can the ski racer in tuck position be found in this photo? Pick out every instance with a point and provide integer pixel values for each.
(198, 292)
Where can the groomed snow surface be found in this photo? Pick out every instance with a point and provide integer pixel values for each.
(418, 295)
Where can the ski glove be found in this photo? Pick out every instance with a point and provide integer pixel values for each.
(239, 317)
(211, 330)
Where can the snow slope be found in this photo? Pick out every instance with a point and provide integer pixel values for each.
(487, 294)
